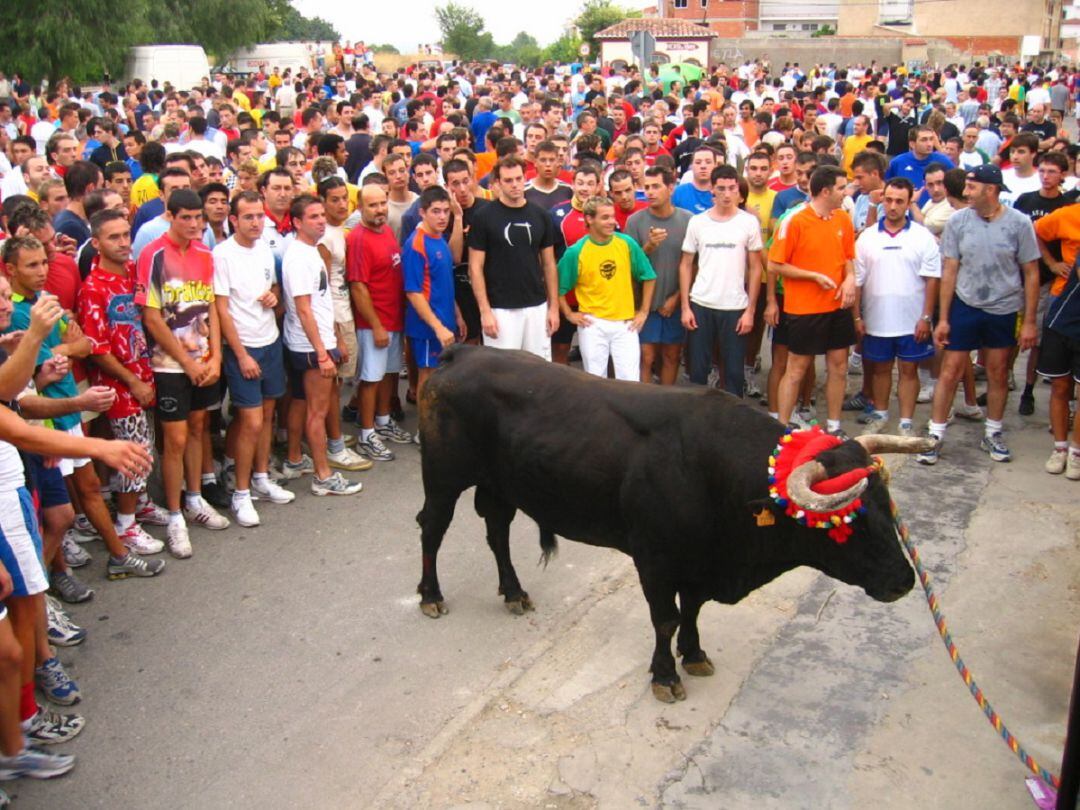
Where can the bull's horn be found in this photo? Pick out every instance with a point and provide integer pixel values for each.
(803, 477)
(878, 443)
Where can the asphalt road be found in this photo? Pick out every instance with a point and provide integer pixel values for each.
(289, 666)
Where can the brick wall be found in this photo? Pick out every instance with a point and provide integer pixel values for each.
(728, 18)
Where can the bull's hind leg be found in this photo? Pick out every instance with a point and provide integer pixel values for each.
(498, 514)
(434, 520)
(694, 659)
(660, 594)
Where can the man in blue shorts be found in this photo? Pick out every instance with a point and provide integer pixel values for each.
(431, 314)
(245, 294)
(989, 275)
(897, 271)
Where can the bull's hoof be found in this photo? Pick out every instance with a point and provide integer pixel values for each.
(669, 694)
(434, 610)
(520, 606)
(700, 669)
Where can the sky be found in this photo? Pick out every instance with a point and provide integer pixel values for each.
(407, 23)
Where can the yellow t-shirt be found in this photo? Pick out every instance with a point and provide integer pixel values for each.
(354, 194)
(760, 203)
(143, 190)
(853, 144)
(241, 100)
(602, 275)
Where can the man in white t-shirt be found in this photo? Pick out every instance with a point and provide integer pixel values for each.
(897, 272)
(335, 196)
(245, 294)
(312, 344)
(718, 304)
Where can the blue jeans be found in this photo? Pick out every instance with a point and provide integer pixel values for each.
(715, 325)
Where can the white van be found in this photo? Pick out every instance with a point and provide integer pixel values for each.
(184, 66)
(283, 55)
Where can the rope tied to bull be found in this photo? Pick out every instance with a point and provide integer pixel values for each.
(965, 673)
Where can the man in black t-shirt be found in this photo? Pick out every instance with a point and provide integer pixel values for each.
(1053, 168)
(1041, 126)
(458, 177)
(512, 266)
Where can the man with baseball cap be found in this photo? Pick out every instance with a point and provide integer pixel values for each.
(990, 271)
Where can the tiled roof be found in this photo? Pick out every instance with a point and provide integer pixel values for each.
(655, 26)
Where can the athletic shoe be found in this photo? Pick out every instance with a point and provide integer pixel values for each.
(1027, 404)
(1072, 465)
(926, 393)
(206, 516)
(349, 414)
(874, 423)
(35, 764)
(806, 416)
(69, 589)
(244, 512)
(374, 449)
(973, 413)
(265, 489)
(151, 514)
(867, 416)
(62, 631)
(336, 484)
(84, 529)
(132, 566)
(854, 366)
(839, 433)
(74, 554)
(50, 728)
(215, 495)
(930, 457)
(713, 380)
(392, 432)
(1011, 381)
(1055, 465)
(176, 537)
(348, 460)
(905, 430)
(349, 439)
(416, 438)
(135, 538)
(55, 684)
(305, 466)
(994, 444)
(857, 402)
(750, 385)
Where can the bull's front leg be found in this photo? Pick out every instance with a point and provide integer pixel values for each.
(694, 659)
(660, 594)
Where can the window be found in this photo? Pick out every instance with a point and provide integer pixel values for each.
(679, 3)
(704, 3)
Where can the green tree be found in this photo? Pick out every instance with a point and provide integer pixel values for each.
(56, 38)
(386, 48)
(523, 50)
(463, 32)
(288, 24)
(597, 15)
(564, 49)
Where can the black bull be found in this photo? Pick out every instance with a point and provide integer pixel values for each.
(674, 477)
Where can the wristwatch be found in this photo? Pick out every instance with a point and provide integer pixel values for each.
(926, 318)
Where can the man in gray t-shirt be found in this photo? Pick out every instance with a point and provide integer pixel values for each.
(660, 230)
(990, 274)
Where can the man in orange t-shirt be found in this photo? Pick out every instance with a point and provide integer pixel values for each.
(1061, 225)
(814, 250)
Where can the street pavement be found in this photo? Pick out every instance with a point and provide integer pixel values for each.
(290, 666)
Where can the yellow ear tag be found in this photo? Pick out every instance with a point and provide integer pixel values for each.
(765, 517)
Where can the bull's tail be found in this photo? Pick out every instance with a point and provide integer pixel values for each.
(549, 546)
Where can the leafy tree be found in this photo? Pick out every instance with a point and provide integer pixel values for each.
(56, 38)
(523, 50)
(564, 49)
(463, 31)
(596, 15)
(386, 48)
(288, 24)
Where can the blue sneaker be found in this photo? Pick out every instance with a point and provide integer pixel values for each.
(995, 446)
(930, 457)
(36, 764)
(55, 684)
(857, 402)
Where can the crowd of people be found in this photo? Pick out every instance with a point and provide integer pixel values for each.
(231, 283)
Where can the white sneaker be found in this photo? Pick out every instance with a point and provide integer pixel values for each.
(854, 366)
(206, 516)
(1072, 465)
(905, 430)
(926, 393)
(176, 536)
(290, 471)
(266, 490)
(972, 413)
(137, 540)
(244, 512)
(336, 484)
(348, 460)
(1055, 465)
